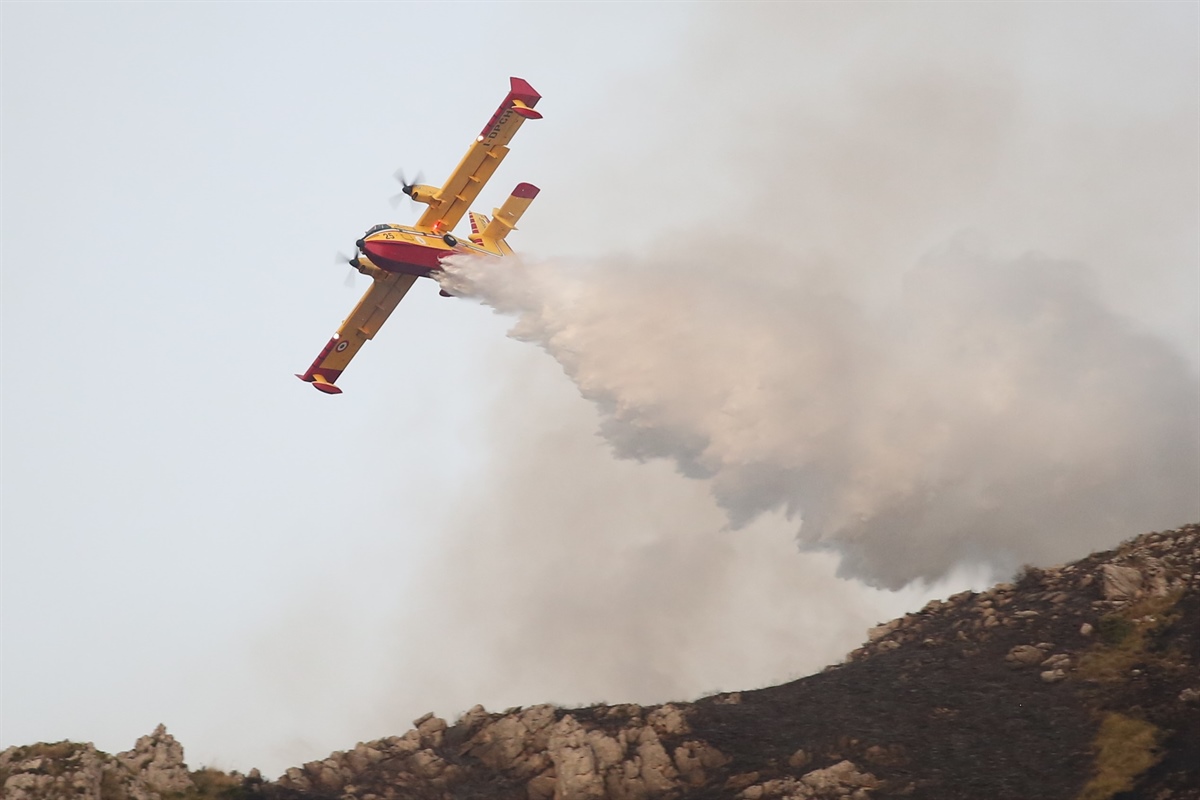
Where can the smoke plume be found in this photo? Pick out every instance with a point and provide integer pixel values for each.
(571, 577)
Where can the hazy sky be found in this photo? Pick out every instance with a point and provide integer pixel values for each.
(192, 536)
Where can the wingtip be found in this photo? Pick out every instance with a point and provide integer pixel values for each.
(319, 382)
(524, 92)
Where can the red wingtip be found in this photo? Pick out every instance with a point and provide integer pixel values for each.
(522, 91)
(526, 191)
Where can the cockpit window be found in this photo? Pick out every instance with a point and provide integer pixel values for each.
(383, 226)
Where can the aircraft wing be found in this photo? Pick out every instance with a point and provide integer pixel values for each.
(364, 322)
(453, 200)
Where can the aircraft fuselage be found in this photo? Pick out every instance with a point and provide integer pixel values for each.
(411, 251)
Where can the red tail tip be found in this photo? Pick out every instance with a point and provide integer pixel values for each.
(526, 191)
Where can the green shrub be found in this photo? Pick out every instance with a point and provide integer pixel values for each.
(1114, 629)
(1125, 748)
(1128, 638)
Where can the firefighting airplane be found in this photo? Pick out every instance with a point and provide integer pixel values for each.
(396, 255)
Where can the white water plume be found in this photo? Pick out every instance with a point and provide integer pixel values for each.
(996, 412)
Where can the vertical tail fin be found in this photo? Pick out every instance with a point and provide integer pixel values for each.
(478, 223)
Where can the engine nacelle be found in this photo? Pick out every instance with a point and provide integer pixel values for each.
(364, 265)
(422, 193)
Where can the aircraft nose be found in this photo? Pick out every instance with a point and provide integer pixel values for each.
(359, 244)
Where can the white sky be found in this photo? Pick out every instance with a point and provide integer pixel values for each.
(193, 536)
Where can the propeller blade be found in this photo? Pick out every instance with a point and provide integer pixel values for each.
(399, 175)
(406, 186)
(352, 275)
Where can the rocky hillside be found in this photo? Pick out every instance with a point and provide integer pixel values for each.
(1080, 681)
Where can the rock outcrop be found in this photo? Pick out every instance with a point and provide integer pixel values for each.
(156, 762)
(152, 770)
(618, 752)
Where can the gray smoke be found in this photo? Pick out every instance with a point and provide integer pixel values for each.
(571, 577)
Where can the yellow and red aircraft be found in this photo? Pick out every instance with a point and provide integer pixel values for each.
(396, 255)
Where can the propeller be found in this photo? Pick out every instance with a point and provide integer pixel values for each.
(352, 275)
(406, 187)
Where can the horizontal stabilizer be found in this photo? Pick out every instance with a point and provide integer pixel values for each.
(504, 219)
